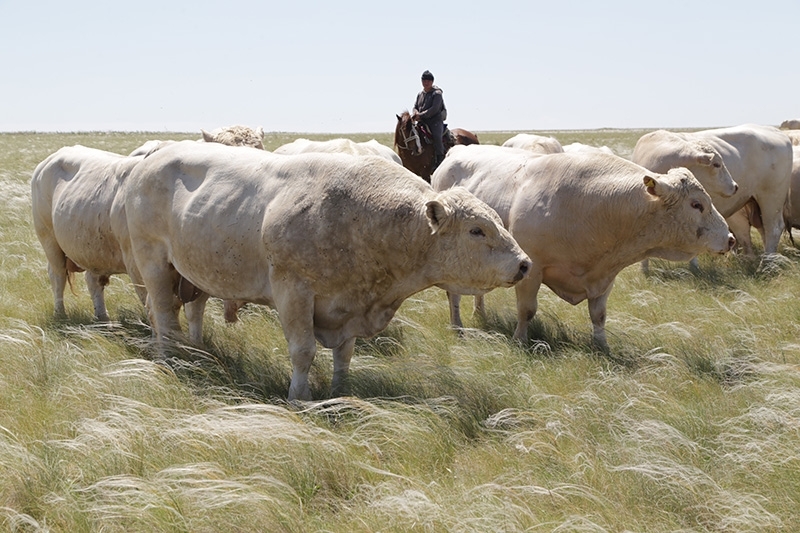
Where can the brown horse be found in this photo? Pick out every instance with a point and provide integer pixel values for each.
(416, 152)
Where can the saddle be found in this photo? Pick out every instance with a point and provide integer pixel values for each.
(447, 136)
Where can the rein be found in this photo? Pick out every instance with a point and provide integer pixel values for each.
(413, 137)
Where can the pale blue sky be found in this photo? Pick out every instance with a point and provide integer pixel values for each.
(349, 66)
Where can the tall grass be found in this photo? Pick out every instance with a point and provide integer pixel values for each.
(691, 423)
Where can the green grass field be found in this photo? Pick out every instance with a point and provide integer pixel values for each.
(691, 423)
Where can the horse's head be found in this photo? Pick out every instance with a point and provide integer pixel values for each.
(406, 135)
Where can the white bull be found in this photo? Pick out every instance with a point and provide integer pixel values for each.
(535, 143)
(230, 135)
(332, 146)
(72, 191)
(757, 158)
(580, 147)
(791, 213)
(583, 217)
(794, 136)
(236, 136)
(339, 146)
(334, 243)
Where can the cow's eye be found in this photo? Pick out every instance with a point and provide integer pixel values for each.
(697, 205)
(717, 165)
(477, 232)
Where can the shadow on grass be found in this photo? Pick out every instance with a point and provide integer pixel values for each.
(729, 272)
(736, 367)
(551, 338)
(465, 400)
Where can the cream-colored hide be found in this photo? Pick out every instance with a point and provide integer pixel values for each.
(791, 213)
(758, 159)
(583, 217)
(72, 192)
(538, 144)
(580, 147)
(236, 136)
(791, 124)
(334, 243)
(339, 146)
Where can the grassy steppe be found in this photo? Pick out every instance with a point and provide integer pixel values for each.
(692, 423)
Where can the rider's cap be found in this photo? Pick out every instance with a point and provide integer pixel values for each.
(427, 75)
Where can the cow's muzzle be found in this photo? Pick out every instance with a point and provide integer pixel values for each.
(524, 268)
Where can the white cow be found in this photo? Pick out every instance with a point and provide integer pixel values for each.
(583, 217)
(146, 148)
(535, 143)
(580, 147)
(335, 243)
(230, 135)
(794, 136)
(72, 191)
(332, 146)
(341, 146)
(236, 136)
(791, 213)
(757, 158)
(791, 124)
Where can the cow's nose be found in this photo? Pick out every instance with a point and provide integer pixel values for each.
(731, 241)
(524, 268)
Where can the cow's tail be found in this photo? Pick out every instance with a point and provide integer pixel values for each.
(71, 268)
(787, 218)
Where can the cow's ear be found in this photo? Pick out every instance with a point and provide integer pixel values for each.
(705, 159)
(437, 214)
(259, 132)
(654, 186)
(207, 137)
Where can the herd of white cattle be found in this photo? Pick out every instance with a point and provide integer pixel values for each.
(336, 235)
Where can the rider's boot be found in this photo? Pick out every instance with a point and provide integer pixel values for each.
(437, 160)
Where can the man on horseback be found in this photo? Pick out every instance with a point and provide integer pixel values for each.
(431, 111)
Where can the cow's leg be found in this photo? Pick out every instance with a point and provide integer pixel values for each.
(96, 285)
(194, 317)
(455, 310)
(739, 224)
(133, 271)
(480, 307)
(772, 217)
(295, 306)
(158, 277)
(57, 272)
(597, 313)
(58, 282)
(527, 303)
(138, 283)
(232, 310)
(341, 365)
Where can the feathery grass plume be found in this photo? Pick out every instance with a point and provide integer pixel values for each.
(690, 423)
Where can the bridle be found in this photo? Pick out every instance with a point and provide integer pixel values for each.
(414, 136)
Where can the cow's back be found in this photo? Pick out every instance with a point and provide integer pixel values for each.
(269, 208)
(759, 158)
(72, 194)
(492, 173)
(534, 143)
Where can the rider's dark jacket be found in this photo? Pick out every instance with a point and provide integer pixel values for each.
(430, 106)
